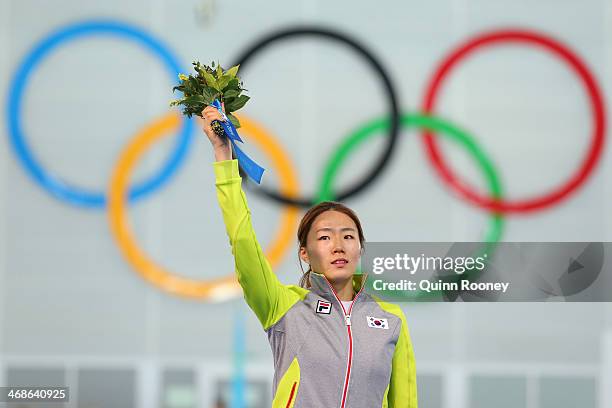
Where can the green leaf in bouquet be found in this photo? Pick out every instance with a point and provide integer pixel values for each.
(199, 69)
(194, 85)
(211, 81)
(232, 71)
(237, 103)
(188, 87)
(232, 93)
(232, 84)
(223, 81)
(202, 68)
(219, 70)
(195, 100)
(210, 94)
(234, 120)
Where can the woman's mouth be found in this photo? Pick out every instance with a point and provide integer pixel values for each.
(340, 262)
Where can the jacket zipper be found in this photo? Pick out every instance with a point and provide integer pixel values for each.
(347, 321)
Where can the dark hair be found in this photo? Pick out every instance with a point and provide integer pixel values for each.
(306, 224)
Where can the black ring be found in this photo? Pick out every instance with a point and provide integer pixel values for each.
(327, 33)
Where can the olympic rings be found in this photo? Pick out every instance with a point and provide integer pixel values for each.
(54, 185)
(213, 289)
(354, 45)
(596, 105)
(431, 124)
(288, 193)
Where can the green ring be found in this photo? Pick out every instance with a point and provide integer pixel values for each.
(440, 126)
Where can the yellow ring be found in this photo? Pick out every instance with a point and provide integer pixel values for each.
(209, 289)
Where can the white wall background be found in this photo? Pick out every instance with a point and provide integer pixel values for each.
(67, 297)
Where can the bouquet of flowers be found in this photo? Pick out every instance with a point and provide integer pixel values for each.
(207, 85)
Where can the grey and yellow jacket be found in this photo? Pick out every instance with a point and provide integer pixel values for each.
(324, 356)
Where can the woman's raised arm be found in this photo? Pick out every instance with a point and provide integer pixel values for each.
(264, 293)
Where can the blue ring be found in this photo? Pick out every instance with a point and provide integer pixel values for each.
(51, 183)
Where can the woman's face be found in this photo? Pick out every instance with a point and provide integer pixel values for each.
(332, 246)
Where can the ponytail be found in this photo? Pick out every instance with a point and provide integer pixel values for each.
(305, 279)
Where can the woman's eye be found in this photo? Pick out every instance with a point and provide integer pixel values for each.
(323, 237)
(349, 236)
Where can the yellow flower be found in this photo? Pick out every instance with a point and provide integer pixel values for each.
(183, 77)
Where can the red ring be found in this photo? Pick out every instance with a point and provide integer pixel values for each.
(597, 109)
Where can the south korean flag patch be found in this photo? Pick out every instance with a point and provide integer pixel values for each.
(324, 307)
(377, 323)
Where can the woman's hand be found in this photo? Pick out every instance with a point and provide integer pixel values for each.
(221, 145)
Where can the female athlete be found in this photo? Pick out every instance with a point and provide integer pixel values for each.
(334, 345)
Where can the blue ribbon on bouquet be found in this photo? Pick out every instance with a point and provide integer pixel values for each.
(252, 169)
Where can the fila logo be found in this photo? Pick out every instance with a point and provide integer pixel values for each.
(378, 323)
(323, 307)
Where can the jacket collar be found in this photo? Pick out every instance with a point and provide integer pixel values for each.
(321, 286)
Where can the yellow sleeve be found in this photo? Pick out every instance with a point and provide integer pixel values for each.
(403, 386)
(264, 293)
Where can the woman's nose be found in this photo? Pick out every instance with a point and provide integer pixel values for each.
(338, 246)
